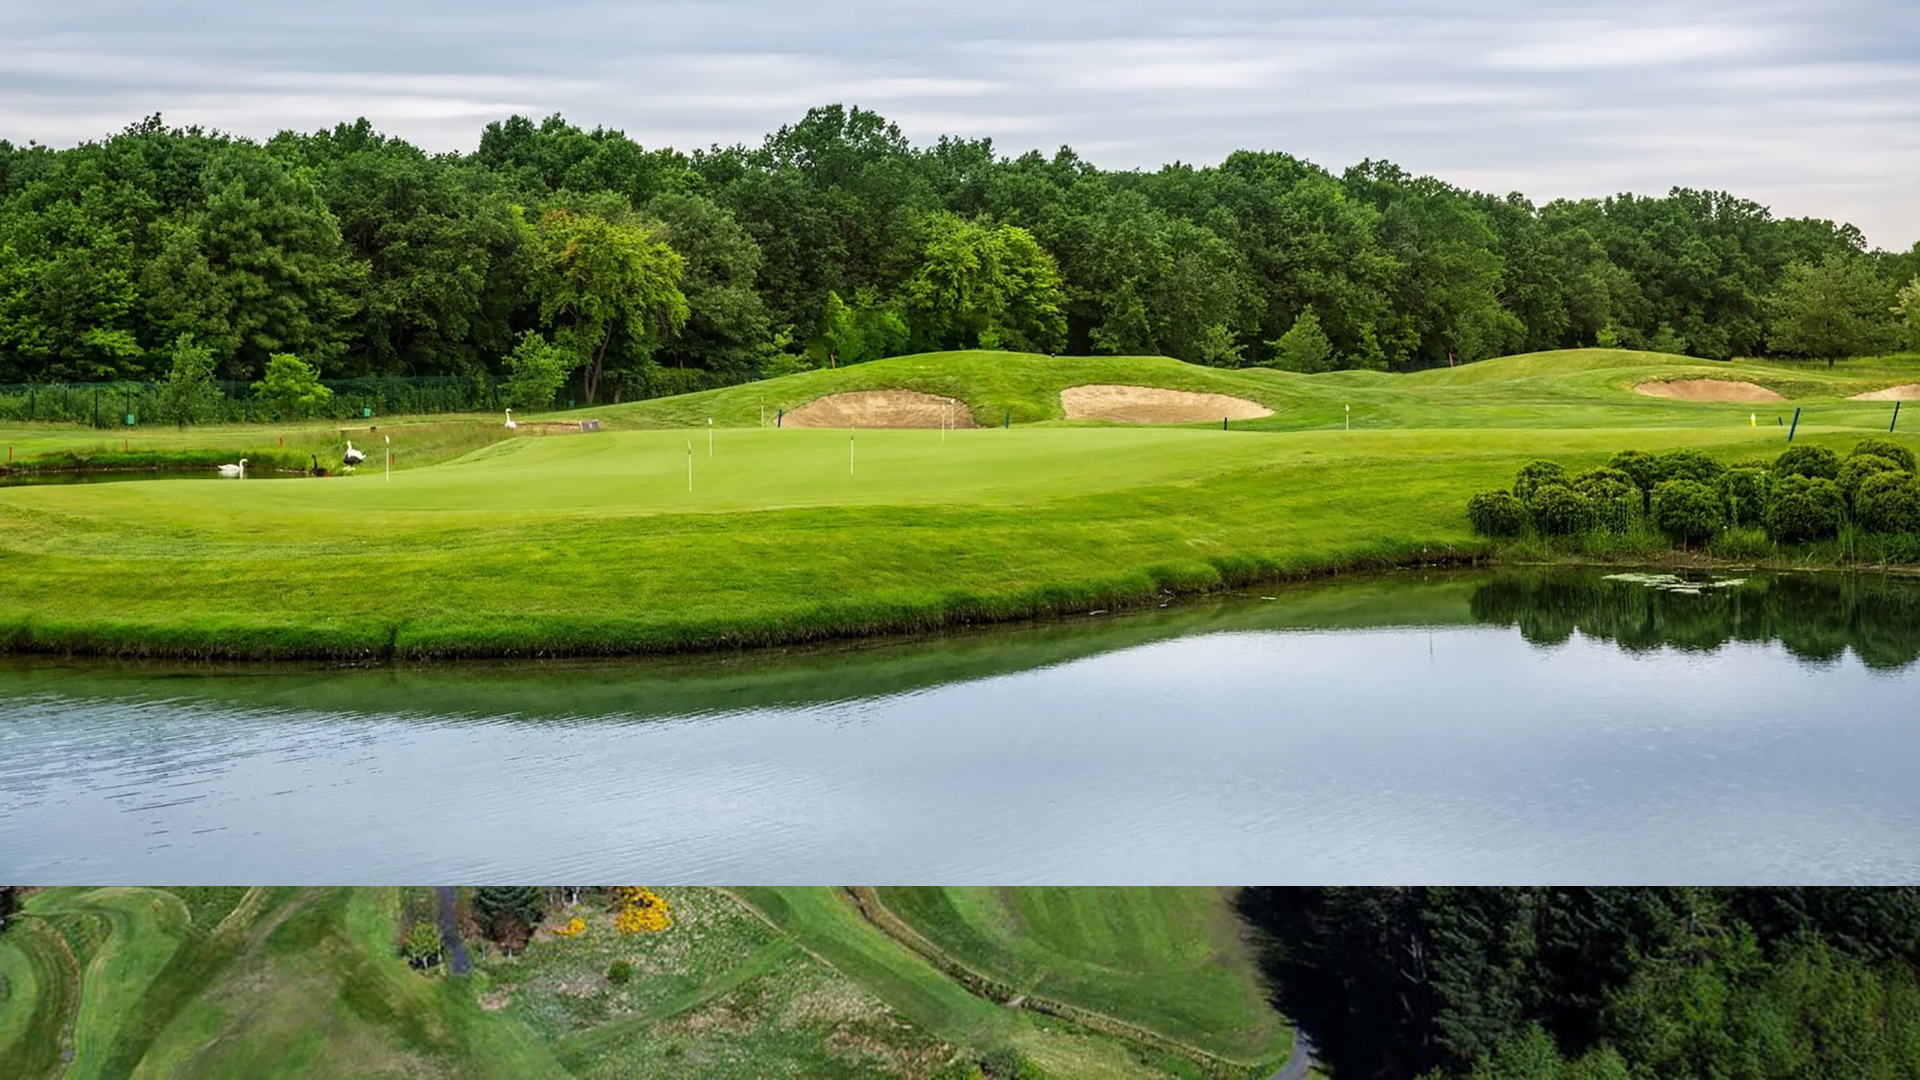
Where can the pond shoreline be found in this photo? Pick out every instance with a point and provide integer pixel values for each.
(603, 638)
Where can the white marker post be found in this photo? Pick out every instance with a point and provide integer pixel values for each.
(1349, 418)
(709, 438)
(389, 439)
(689, 466)
(849, 451)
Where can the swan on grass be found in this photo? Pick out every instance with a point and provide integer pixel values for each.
(234, 472)
(510, 424)
(352, 456)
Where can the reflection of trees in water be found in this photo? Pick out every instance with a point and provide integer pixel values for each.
(1816, 617)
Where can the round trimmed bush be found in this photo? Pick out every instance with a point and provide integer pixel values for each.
(1641, 466)
(1537, 474)
(1885, 448)
(1744, 491)
(1805, 508)
(620, 972)
(1686, 465)
(1857, 468)
(1584, 480)
(1558, 510)
(1816, 462)
(1617, 504)
(1687, 511)
(1888, 502)
(1497, 514)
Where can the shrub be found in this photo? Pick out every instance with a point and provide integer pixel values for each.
(1856, 469)
(1558, 510)
(1805, 508)
(291, 388)
(1816, 462)
(1641, 466)
(536, 371)
(1687, 511)
(189, 396)
(1687, 465)
(1583, 481)
(1888, 502)
(1744, 490)
(421, 946)
(1617, 503)
(1497, 514)
(1885, 448)
(1535, 475)
(620, 973)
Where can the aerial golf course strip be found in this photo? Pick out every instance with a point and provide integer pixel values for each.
(307, 982)
(593, 544)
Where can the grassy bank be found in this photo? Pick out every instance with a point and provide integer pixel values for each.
(593, 543)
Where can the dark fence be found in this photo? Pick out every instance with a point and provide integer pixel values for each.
(117, 404)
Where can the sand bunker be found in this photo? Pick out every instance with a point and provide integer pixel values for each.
(1909, 392)
(1707, 390)
(881, 409)
(1152, 405)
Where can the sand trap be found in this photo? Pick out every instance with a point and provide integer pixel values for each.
(1707, 390)
(881, 409)
(1152, 405)
(1909, 392)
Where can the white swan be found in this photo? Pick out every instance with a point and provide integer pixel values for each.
(234, 472)
(510, 424)
(352, 456)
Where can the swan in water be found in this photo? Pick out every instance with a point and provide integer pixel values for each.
(234, 472)
(510, 424)
(352, 456)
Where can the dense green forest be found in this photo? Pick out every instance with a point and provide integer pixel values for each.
(552, 253)
(1599, 984)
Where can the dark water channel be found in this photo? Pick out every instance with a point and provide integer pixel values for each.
(1566, 727)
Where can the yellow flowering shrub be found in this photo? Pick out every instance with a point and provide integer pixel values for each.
(574, 928)
(641, 910)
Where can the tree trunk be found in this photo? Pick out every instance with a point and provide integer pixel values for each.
(592, 380)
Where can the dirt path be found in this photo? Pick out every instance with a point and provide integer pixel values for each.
(1300, 1062)
(458, 962)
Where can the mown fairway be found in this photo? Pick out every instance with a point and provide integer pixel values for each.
(593, 542)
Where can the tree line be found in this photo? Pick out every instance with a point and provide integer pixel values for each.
(554, 254)
(1598, 984)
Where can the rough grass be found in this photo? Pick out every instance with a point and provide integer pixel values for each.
(1171, 960)
(589, 544)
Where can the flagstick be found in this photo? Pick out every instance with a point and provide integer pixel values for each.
(709, 438)
(689, 466)
(389, 439)
(849, 451)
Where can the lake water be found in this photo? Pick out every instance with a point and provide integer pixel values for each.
(1562, 727)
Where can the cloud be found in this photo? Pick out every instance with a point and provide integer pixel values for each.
(1808, 106)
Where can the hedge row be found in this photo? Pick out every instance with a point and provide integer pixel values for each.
(1808, 493)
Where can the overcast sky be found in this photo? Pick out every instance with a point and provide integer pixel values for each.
(1812, 108)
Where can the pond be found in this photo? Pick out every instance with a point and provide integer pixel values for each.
(1469, 728)
(125, 476)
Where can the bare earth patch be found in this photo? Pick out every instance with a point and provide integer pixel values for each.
(1908, 392)
(1707, 390)
(1153, 405)
(881, 409)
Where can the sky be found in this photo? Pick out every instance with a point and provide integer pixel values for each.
(1812, 108)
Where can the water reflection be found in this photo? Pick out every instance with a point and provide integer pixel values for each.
(1389, 730)
(1817, 618)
